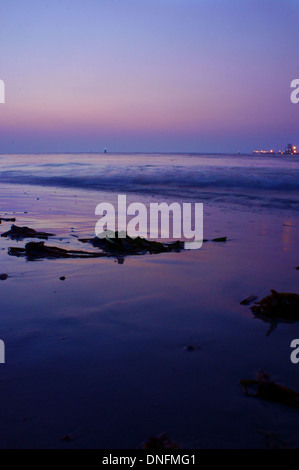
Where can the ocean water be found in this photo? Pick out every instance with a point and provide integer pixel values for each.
(102, 356)
(270, 181)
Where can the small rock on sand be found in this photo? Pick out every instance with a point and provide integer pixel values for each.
(3, 277)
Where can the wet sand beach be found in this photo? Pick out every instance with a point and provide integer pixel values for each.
(116, 353)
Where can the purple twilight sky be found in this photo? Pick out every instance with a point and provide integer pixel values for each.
(150, 75)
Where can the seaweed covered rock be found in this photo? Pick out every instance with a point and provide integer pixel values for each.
(132, 246)
(110, 247)
(278, 305)
(269, 390)
(38, 250)
(3, 219)
(19, 233)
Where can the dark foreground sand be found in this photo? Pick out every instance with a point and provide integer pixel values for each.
(101, 356)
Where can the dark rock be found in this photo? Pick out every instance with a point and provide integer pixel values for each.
(277, 308)
(249, 300)
(132, 246)
(19, 233)
(38, 250)
(7, 220)
(268, 390)
(278, 305)
(221, 239)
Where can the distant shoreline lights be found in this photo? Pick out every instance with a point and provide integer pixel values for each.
(289, 150)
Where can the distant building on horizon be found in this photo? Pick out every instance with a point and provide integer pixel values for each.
(290, 149)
